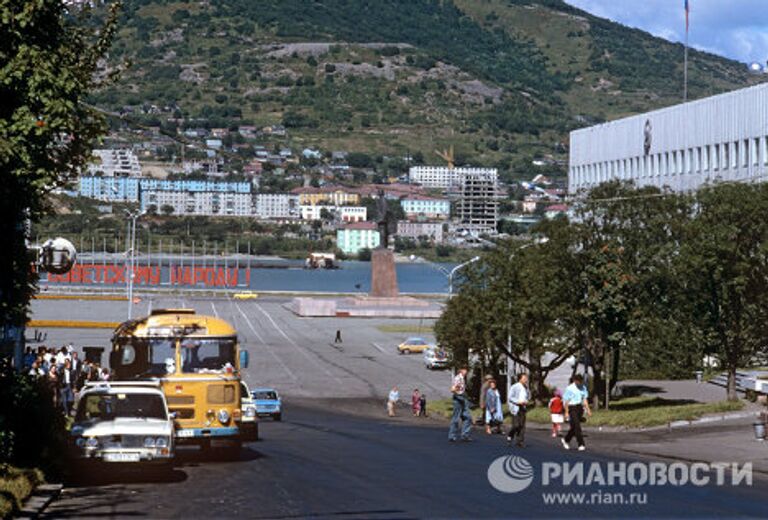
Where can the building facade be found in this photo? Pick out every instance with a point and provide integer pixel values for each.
(434, 231)
(130, 189)
(199, 203)
(118, 162)
(720, 138)
(276, 205)
(342, 213)
(477, 206)
(444, 177)
(332, 195)
(352, 238)
(416, 207)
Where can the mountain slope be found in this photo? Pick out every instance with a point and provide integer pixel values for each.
(503, 80)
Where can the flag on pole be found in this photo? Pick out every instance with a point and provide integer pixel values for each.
(687, 14)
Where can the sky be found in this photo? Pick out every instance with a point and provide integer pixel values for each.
(736, 29)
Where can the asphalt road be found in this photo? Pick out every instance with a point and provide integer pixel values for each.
(321, 463)
(297, 356)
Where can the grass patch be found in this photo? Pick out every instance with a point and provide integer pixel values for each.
(404, 328)
(15, 486)
(630, 412)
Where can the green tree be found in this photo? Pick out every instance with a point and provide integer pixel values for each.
(50, 60)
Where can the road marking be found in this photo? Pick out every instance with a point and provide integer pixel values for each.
(295, 345)
(266, 347)
(215, 312)
(379, 348)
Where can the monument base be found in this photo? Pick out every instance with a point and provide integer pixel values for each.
(365, 307)
(383, 274)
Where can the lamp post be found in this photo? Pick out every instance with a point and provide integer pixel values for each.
(453, 271)
(133, 216)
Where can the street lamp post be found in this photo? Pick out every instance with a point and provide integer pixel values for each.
(132, 217)
(453, 271)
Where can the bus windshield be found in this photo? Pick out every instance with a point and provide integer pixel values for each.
(206, 355)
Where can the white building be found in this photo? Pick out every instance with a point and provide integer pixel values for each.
(445, 177)
(720, 138)
(120, 162)
(200, 203)
(432, 230)
(357, 236)
(342, 213)
(276, 205)
(420, 207)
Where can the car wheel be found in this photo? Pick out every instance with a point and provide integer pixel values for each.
(278, 417)
(406, 351)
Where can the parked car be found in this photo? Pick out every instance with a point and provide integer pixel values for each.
(435, 357)
(413, 345)
(246, 295)
(268, 403)
(249, 422)
(123, 422)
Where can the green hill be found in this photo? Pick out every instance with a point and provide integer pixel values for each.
(503, 80)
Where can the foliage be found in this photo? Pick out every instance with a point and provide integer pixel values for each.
(15, 486)
(50, 63)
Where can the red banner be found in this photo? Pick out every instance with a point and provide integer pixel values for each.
(151, 275)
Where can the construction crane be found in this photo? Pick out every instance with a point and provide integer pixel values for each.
(447, 156)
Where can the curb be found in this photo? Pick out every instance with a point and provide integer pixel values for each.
(41, 498)
(707, 419)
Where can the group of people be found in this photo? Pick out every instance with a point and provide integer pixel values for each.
(418, 402)
(571, 407)
(63, 371)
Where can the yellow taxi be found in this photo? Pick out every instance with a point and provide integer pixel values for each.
(246, 295)
(413, 345)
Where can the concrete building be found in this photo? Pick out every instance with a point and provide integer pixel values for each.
(333, 195)
(109, 189)
(276, 205)
(199, 203)
(420, 207)
(415, 230)
(719, 138)
(477, 206)
(342, 213)
(445, 177)
(356, 236)
(120, 162)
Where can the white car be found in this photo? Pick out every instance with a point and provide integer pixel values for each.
(435, 358)
(123, 422)
(249, 421)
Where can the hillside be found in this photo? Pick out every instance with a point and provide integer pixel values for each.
(503, 80)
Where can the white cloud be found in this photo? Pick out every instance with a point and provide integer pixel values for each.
(737, 29)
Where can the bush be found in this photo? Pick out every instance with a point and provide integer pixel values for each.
(364, 255)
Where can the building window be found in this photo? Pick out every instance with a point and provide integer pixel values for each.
(716, 158)
(755, 149)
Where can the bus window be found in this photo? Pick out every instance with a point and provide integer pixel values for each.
(206, 355)
(162, 357)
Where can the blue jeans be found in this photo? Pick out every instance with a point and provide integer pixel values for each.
(460, 413)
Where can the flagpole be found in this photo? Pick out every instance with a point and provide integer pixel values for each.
(685, 59)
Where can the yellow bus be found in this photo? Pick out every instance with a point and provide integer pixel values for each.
(197, 360)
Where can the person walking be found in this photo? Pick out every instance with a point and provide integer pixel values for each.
(338, 336)
(556, 412)
(423, 406)
(416, 402)
(518, 407)
(461, 418)
(66, 387)
(53, 384)
(483, 391)
(493, 414)
(575, 404)
(394, 397)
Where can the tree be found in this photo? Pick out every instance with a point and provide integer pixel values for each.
(166, 209)
(723, 265)
(50, 60)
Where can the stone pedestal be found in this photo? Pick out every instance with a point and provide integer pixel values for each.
(383, 274)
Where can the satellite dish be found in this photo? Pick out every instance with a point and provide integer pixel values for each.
(57, 256)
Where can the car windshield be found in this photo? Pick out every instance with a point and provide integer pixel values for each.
(414, 341)
(206, 355)
(265, 395)
(107, 407)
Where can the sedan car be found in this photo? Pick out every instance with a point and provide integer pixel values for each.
(435, 358)
(122, 423)
(245, 295)
(249, 424)
(268, 403)
(413, 345)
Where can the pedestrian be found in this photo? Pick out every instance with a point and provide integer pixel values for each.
(556, 412)
(416, 402)
(483, 391)
(61, 357)
(53, 385)
(461, 417)
(394, 397)
(66, 387)
(423, 406)
(104, 374)
(29, 358)
(35, 370)
(493, 414)
(338, 336)
(518, 407)
(575, 404)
